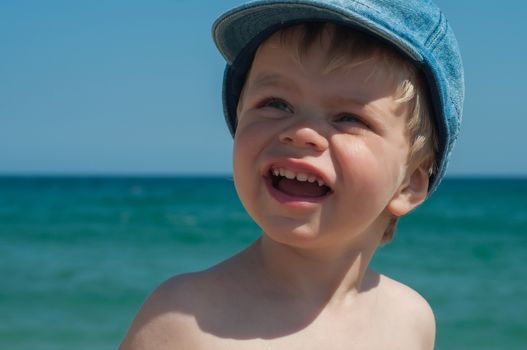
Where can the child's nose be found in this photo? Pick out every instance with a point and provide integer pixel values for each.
(304, 136)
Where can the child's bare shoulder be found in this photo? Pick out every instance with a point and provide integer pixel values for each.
(407, 312)
(166, 318)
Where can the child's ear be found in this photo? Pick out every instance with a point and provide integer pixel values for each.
(412, 191)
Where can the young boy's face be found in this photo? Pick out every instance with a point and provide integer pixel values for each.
(343, 128)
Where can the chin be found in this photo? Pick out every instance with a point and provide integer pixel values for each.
(303, 236)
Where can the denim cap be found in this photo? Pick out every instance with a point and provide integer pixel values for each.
(416, 28)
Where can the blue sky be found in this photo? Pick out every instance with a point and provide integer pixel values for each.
(134, 87)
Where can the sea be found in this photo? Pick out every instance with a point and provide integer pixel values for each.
(79, 255)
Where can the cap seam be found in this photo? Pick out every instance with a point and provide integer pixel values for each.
(433, 40)
(438, 33)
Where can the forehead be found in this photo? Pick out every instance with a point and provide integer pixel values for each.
(290, 57)
(338, 48)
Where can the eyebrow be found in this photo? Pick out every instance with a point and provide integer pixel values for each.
(271, 79)
(263, 80)
(347, 100)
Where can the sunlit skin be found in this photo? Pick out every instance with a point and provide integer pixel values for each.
(305, 284)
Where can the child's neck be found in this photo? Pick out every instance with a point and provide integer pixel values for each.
(326, 276)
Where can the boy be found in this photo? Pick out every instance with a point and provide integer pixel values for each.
(344, 114)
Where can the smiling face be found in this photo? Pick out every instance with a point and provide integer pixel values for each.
(320, 155)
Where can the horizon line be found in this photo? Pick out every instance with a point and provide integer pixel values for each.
(153, 175)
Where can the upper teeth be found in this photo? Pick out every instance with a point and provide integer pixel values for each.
(290, 174)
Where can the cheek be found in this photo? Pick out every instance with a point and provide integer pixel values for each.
(245, 148)
(371, 169)
(358, 161)
(253, 137)
(248, 145)
(241, 155)
(240, 174)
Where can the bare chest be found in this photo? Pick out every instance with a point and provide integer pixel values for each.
(361, 333)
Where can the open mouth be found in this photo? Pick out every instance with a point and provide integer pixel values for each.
(298, 184)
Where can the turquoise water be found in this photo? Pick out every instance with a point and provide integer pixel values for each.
(79, 255)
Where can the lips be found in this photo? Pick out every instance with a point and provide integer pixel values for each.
(300, 183)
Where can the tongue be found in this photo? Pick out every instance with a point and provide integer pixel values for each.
(301, 188)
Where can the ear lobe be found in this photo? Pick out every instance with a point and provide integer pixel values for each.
(411, 192)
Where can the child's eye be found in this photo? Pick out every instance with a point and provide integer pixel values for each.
(277, 104)
(351, 121)
(349, 118)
